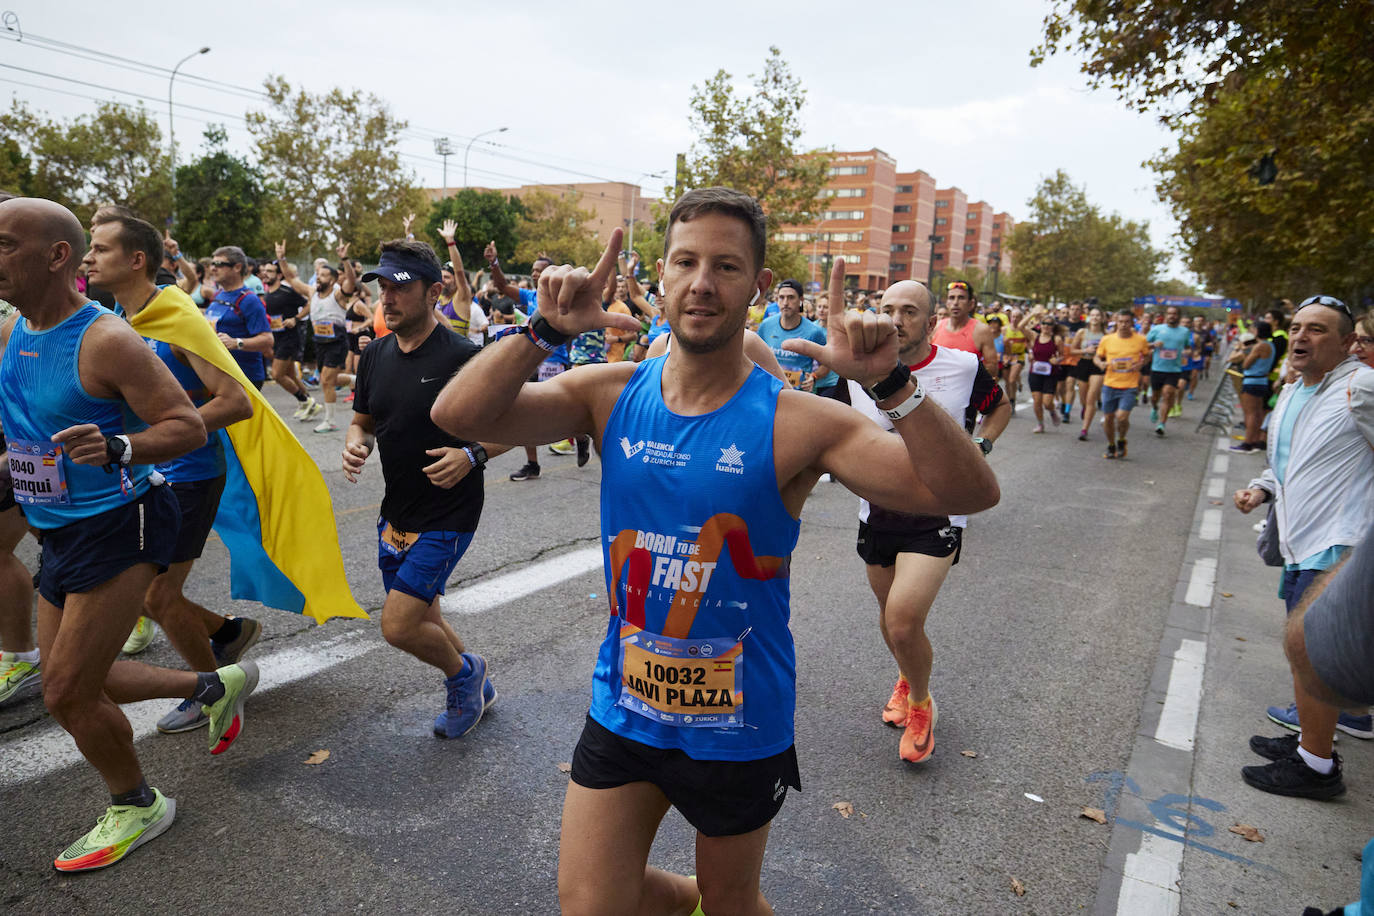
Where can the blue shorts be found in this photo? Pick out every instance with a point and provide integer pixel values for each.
(1116, 400)
(78, 557)
(418, 564)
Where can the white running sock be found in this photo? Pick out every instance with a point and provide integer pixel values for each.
(31, 656)
(1323, 765)
(329, 411)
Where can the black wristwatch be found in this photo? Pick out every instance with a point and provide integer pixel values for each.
(889, 386)
(117, 451)
(984, 444)
(477, 455)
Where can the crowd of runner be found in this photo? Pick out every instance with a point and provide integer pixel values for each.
(736, 393)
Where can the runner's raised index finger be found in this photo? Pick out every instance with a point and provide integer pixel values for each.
(836, 295)
(608, 258)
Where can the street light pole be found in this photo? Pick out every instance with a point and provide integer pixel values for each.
(172, 129)
(468, 149)
(634, 199)
(442, 147)
(930, 268)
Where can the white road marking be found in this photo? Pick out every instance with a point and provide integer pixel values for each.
(1221, 464)
(525, 581)
(1149, 879)
(1216, 487)
(1223, 444)
(1200, 583)
(1210, 529)
(1178, 719)
(34, 753)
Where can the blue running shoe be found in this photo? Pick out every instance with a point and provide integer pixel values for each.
(466, 701)
(1287, 716)
(1357, 726)
(489, 693)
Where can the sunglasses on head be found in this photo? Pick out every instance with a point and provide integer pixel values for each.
(1330, 302)
(958, 284)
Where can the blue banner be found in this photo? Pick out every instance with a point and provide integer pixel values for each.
(1196, 302)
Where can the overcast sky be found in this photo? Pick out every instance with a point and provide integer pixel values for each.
(599, 90)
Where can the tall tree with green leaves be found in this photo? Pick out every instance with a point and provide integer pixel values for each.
(482, 217)
(1273, 106)
(554, 226)
(332, 165)
(749, 141)
(1069, 249)
(220, 200)
(114, 156)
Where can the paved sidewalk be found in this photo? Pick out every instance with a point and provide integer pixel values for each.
(1221, 663)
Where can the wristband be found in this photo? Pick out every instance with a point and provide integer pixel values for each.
(543, 335)
(908, 405)
(451, 243)
(177, 256)
(476, 465)
(894, 383)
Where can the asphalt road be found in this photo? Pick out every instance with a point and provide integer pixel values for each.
(1046, 639)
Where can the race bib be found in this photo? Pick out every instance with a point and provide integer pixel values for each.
(351, 326)
(693, 683)
(1121, 364)
(396, 542)
(548, 369)
(1040, 367)
(36, 469)
(795, 377)
(1168, 354)
(275, 322)
(324, 329)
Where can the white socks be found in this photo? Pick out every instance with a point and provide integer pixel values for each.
(1323, 765)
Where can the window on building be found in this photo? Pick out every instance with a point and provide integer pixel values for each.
(997, 225)
(901, 227)
(899, 247)
(939, 256)
(902, 208)
(941, 204)
(849, 170)
(968, 247)
(842, 214)
(939, 239)
(941, 221)
(903, 189)
(897, 268)
(844, 192)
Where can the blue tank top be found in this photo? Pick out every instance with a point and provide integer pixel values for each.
(41, 394)
(1259, 369)
(206, 462)
(697, 542)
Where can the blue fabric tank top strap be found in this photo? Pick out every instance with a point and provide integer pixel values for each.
(41, 394)
(1260, 368)
(206, 462)
(697, 654)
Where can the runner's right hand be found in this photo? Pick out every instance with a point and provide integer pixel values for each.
(354, 456)
(570, 297)
(1249, 500)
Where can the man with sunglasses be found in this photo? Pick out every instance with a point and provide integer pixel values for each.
(960, 331)
(1321, 481)
(238, 315)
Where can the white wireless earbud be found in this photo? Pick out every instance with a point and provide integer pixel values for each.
(755, 299)
(660, 287)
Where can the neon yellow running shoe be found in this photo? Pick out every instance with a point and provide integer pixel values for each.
(120, 830)
(226, 716)
(16, 674)
(142, 634)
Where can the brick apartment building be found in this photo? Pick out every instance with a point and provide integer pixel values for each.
(609, 202)
(864, 190)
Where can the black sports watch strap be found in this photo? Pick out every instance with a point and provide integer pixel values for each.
(890, 385)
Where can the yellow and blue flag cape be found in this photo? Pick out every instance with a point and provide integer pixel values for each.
(275, 516)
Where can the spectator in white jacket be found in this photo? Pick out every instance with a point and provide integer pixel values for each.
(1321, 480)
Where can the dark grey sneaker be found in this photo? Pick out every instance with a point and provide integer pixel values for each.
(1290, 776)
(529, 472)
(1274, 748)
(188, 716)
(229, 653)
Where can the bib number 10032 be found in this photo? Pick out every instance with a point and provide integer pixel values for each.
(682, 682)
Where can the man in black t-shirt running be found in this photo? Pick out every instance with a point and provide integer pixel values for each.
(286, 299)
(433, 481)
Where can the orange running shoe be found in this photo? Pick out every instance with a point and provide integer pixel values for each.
(918, 741)
(894, 713)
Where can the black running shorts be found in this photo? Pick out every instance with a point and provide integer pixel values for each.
(286, 345)
(880, 548)
(717, 797)
(198, 501)
(331, 352)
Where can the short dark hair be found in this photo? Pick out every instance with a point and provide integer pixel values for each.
(726, 201)
(1264, 330)
(234, 255)
(134, 235)
(415, 248)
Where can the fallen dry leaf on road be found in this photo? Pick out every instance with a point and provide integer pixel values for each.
(1018, 888)
(845, 808)
(1250, 833)
(1227, 595)
(969, 753)
(317, 758)
(1094, 814)
(1240, 639)
(565, 768)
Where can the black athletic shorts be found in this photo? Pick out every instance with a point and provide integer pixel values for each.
(353, 345)
(880, 548)
(1086, 369)
(77, 557)
(286, 345)
(1159, 380)
(330, 352)
(198, 501)
(1041, 384)
(717, 797)
(1257, 389)
(7, 499)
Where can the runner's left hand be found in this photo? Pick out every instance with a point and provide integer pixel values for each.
(453, 465)
(861, 345)
(84, 444)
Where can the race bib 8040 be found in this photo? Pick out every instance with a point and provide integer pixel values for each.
(36, 469)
